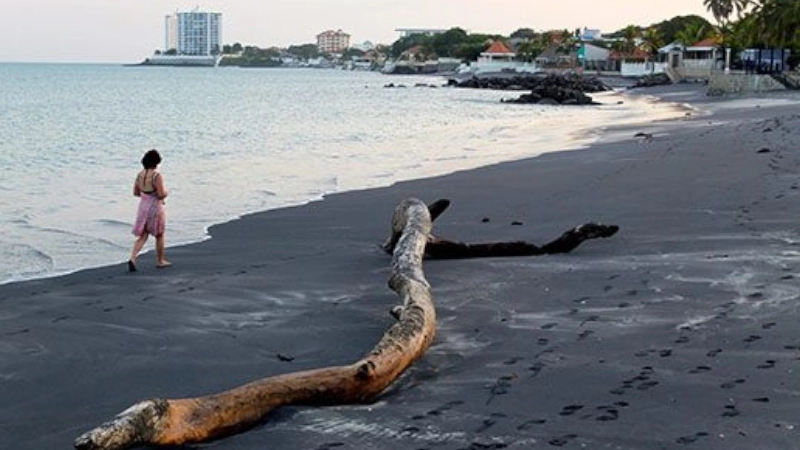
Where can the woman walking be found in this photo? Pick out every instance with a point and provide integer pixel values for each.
(151, 217)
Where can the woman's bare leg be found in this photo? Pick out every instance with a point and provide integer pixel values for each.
(161, 260)
(137, 246)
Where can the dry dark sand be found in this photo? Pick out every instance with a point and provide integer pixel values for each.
(679, 332)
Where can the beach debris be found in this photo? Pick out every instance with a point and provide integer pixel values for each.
(516, 223)
(764, 150)
(645, 137)
(440, 248)
(656, 79)
(284, 358)
(173, 422)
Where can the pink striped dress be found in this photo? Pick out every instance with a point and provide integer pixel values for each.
(151, 217)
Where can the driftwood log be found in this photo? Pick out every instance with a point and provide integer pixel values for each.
(170, 422)
(440, 248)
(192, 420)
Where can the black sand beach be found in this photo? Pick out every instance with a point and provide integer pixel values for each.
(678, 332)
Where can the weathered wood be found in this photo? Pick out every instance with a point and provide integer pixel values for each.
(439, 248)
(435, 209)
(193, 420)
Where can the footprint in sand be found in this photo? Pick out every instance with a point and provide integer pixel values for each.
(441, 410)
(330, 445)
(570, 410)
(562, 440)
(609, 414)
(500, 387)
(530, 424)
(690, 439)
(768, 364)
(585, 335)
(732, 384)
(592, 318)
(536, 369)
(730, 411)
(752, 338)
(700, 369)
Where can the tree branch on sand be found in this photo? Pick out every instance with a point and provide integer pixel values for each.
(440, 248)
(170, 422)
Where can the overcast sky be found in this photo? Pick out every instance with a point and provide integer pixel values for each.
(130, 30)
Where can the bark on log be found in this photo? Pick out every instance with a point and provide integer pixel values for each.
(193, 420)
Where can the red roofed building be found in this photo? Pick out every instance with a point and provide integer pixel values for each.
(638, 55)
(498, 51)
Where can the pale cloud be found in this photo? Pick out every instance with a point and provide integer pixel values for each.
(129, 30)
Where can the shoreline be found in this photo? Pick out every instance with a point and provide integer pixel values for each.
(523, 133)
(680, 327)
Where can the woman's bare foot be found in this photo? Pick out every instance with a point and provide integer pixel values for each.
(163, 264)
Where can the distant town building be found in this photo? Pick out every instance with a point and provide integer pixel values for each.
(364, 46)
(194, 33)
(333, 41)
(589, 34)
(406, 32)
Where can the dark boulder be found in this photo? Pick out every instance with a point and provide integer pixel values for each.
(569, 89)
(656, 79)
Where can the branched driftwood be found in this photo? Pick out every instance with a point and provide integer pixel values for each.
(440, 248)
(163, 422)
(193, 420)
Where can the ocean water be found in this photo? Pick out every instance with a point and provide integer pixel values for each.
(236, 141)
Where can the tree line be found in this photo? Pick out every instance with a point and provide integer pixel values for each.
(739, 24)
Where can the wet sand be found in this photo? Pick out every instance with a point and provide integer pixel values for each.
(678, 332)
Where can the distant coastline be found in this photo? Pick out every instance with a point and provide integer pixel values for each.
(180, 60)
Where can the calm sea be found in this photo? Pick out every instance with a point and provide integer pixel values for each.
(236, 141)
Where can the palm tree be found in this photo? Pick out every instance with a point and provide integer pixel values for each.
(778, 22)
(652, 41)
(629, 35)
(724, 9)
(692, 33)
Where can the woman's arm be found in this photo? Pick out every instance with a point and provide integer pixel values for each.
(161, 188)
(137, 191)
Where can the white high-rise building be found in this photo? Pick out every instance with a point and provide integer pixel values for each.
(194, 33)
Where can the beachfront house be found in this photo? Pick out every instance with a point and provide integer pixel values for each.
(497, 57)
(764, 60)
(594, 58)
(635, 63)
(554, 57)
(701, 58)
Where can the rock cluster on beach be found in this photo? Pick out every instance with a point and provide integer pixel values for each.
(553, 89)
(655, 79)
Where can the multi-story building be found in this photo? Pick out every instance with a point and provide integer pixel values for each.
(333, 41)
(194, 33)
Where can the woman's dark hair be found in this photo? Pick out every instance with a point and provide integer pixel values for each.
(151, 159)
